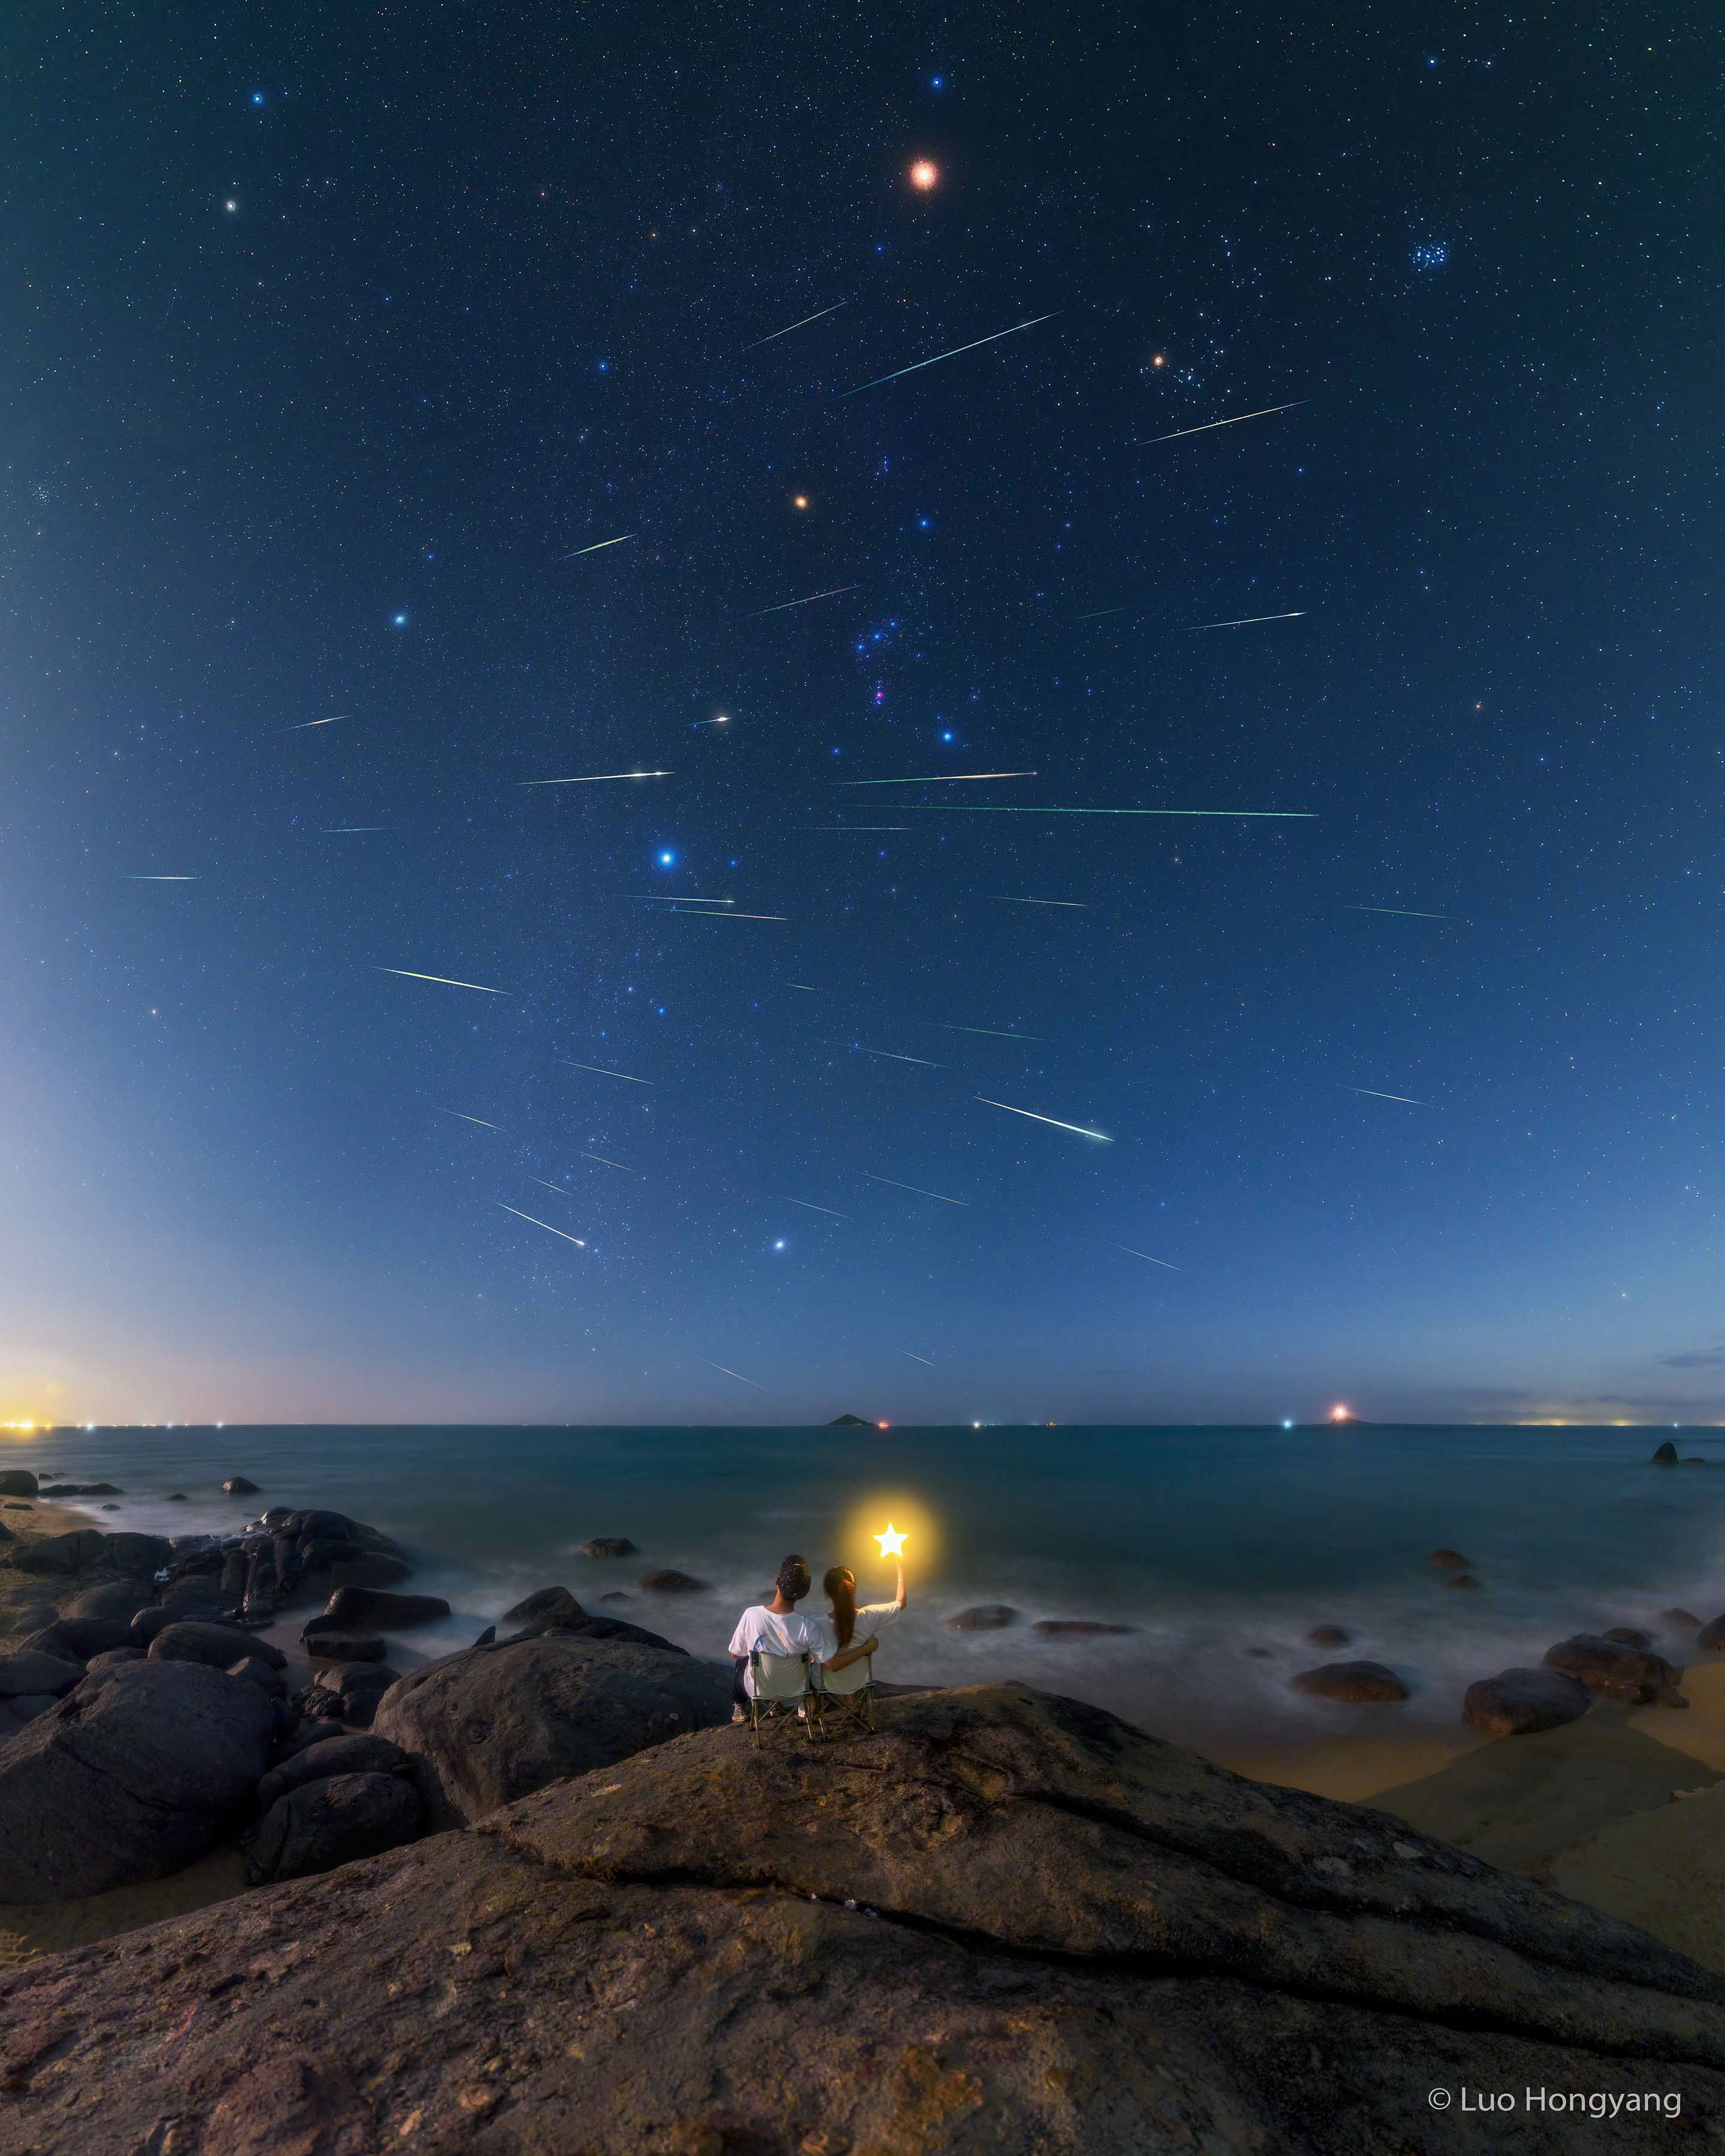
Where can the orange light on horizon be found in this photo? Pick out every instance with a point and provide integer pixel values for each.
(925, 174)
(1340, 1414)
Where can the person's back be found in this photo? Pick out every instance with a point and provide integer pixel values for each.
(774, 1627)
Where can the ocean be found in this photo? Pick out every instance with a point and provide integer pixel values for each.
(1219, 1548)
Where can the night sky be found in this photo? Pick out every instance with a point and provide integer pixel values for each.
(327, 344)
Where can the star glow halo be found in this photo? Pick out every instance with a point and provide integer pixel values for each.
(893, 1513)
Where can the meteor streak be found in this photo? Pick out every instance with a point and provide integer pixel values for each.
(916, 1187)
(710, 913)
(993, 337)
(603, 1163)
(1101, 612)
(993, 1032)
(737, 1374)
(598, 546)
(1406, 912)
(862, 827)
(1210, 426)
(164, 879)
(888, 1054)
(306, 725)
(600, 1072)
(809, 1208)
(1076, 905)
(940, 778)
(345, 830)
(595, 777)
(915, 1358)
(1101, 1137)
(1244, 621)
(785, 604)
(443, 981)
(815, 317)
(1147, 1257)
(544, 1185)
(1373, 1095)
(546, 1225)
(459, 1117)
(972, 809)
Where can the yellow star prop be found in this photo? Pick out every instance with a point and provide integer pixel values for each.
(892, 1542)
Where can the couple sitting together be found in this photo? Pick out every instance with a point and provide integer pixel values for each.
(849, 1636)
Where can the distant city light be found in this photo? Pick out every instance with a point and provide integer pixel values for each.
(1287, 1422)
(1339, 1414)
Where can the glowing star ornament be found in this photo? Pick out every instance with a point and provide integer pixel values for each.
(925, 175)
(892, 1542)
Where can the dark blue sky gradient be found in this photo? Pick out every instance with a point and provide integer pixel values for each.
(482, 299)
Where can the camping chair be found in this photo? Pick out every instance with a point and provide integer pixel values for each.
(779, 1686)
(848, 1694)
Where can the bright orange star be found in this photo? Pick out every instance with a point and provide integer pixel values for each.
(924, 175)
(800, 501)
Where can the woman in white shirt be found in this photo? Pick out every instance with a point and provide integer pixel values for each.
(862, 1625)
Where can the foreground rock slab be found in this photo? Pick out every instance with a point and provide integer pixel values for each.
(1067, 1937)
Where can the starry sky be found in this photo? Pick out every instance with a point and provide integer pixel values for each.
(334, 345)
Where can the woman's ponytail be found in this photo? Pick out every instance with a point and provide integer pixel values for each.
(840, 1588)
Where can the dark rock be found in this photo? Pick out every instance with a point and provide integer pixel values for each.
(334, 1821)
(1358, 1683)
(1679, 1620)
(1621, 1673)
(6, 1535)
(1120, 1948)
(300, 1740)
(17, 1482)
(1446, 1560)
(75, 1551)
(133, 1775)
(78, 1638)
(850, 1422)
(1064, 1627)
(80, 1490)
(112, 1659)
(610, 1546)
(135, 1556)
(340, 1755)
(594, 1627)
(984, 1617)
(486, 1637)
(31, 1617)
(218, 1645)
(239, 1486)
(490, 1724)
(1328, 1636)
(543, 1602)
(1711, 1638)
(25, 1706)
(256, 1671)
(32, 1670)
(1626, 1635)
(114, 1597)
(353, 1692)
(668, 1582)
(110, 1508)
(1664, 1455)
(18, 1505)
(360, 1608)
(145, 1623)
(366, 1569)
(1465, 1582)
(1522, 1703)
(175, 1497)
(616, 1594)
(345, 1647)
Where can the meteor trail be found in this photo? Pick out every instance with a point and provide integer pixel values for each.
(345, 830)
(971, 808)
(546, 1225)
(710, 913)
(940, 778)
(993, 1032)
(443, 981)
(544, 1185)
(1147, 1257)
(809, 1208)
(1244, 621)
(1209, 427)
(808, 987)
(916, 1187)
(993, 337)
(784, 603)
(1102, 611)
(1406, 912)
(594, 778)
(1101, 1137)
(306, 725)
(888, 1054)
(915, 1358)
(1372, 1094)
(1076, 905)
(803, 324)
(737, 1374)
(164, 879)
(603, 1163)
(598, 546)
(862, 827)
(600, 1072)
(461, 1118)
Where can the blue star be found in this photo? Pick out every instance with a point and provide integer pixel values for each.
(667, 860)
(397, 621)
(936, 82)
(257, 97)
(779, 1245)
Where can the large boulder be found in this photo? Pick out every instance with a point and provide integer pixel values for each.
(345, 1647)
(132, 1775)
(363, 1754)
(114, 1597)
(1664, 1455)
(34, 1672)
(1709, 1638)
(81, 1637)
(239, 1486)
(543, 1602)
(490, 1724)
(72, 1552)
(667, 1580)
(17, 1482)
(218, 1645)
(1621, 1673)
(592, 1628)
(81, 1490)
(983, 1617)
(333, 1820)
(608, 1546)
(1086, 1940)
(1522, 1703)
(1358, 1683)
(350, 1694)
(359, 1609)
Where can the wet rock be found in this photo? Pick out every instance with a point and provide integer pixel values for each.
(1711, 1638)
(239, 1486)
(114, 1597)
(23, 1707)
(667, 1581)
(1054, 1628)
(345, 1647)
(490, 1724)
(983, 1617)
(360, 1608)
(1446, 1560)
(333, 1821)
(78, 1638)
(17, 1482)
(543, 1602)
(1464, 1583)
(1328, 1636)
(1664, 1455)
(256, 1671)
(336, 1755)
(1356, 1683)
(352, 1691)
(1621, 1673)
(75, 1551)
(301, 1740)
(1679, 1620)
(80, 1490)
(616, 1594)
(610, 1546)
(1522, 1703)
(486, 1637)
(133, 1774)
(175, 1497)
(1626, 1635)
(31, 1617)
(112, 1659)
(218, 1645)
(33, 1671)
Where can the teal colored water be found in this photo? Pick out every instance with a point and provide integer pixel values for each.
(1209, 1542)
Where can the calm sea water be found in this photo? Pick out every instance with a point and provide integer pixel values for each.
(1211, 1542)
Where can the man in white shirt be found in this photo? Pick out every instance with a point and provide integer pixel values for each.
(777, 1628)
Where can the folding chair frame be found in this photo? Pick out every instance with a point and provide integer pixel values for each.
(770, 1714)
(854, 1708)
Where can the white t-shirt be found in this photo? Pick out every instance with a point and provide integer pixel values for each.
(773, 1634)
(872, 1619)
